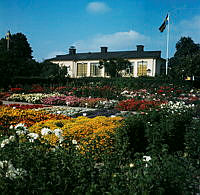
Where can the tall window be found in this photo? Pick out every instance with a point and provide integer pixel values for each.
(82, 69)
(130, 70)
(95, 70)
(142, 68)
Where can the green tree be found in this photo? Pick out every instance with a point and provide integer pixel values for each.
(186, 60)
(51, 70)
(186, 47)
(115, 66)
(16, 60)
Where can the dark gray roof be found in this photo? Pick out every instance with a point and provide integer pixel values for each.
(108, 55)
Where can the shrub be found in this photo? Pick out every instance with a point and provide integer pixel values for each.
(131, 136)
(168, 129)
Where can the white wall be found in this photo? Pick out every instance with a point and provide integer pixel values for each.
(152, 64)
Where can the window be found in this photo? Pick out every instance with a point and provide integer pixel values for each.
(95, 70)
(142, 68)
(130, 70)
(82, 69)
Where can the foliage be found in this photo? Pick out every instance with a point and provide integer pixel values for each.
(17, 61)
(97, 91)
(186, 58)
(151, 152)
(186, 47)
(131, 137)
(113, 67)
(36, 168)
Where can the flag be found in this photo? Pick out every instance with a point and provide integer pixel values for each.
(8, 35)
(164, 24)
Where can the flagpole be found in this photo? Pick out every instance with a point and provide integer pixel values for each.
(8, 44)
(167, 51)
(8, 40)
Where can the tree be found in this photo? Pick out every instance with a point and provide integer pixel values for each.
(114, 66)
(186, 47)
(186, 60)
(17, 60)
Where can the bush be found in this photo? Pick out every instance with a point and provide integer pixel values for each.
(131, 137)
(167, 129)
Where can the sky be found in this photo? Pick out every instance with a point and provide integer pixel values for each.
(51, 26)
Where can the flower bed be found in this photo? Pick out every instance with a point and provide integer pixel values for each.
(88, 134)
(35, 98)
(12, 116)
(26, 106)
(103, 154)
(137, 105)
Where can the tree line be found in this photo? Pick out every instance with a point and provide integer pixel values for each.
(17, 61)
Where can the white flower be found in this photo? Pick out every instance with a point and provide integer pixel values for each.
(124, 92)
(45, 131)
(3, 163)
(11, 172)
(11, 127)
(33, 135)
(131, 165)
(57, 132)
(61, 139)
(146, 159)
(12, 138)
(74, 142)
(84, 114)
(20, 125)
(21, 132)
(4, 142)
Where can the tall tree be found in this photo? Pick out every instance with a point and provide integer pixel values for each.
(16, 60)
(186, 47)
(186, 60)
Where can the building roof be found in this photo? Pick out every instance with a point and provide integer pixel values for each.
(107, 55)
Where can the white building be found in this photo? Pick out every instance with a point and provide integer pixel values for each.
(143, 63)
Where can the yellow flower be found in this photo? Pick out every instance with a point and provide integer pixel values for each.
(90, 134)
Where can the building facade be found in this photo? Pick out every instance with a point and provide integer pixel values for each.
(143, 63)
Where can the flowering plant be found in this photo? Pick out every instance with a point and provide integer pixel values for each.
(12, 116)
(88, 133)
(137, 105)
(36, 89)
(30, 98)
(26, 106)
(176, 107)
(16, 90)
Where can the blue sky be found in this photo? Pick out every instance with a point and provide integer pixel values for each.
(51, 26)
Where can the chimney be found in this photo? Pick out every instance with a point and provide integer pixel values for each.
(140, 48)
(72, 50)
(104, 49)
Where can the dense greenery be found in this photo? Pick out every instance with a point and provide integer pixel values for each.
(172, 168)
(186, 60)
(113, 67)
(16, 61)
